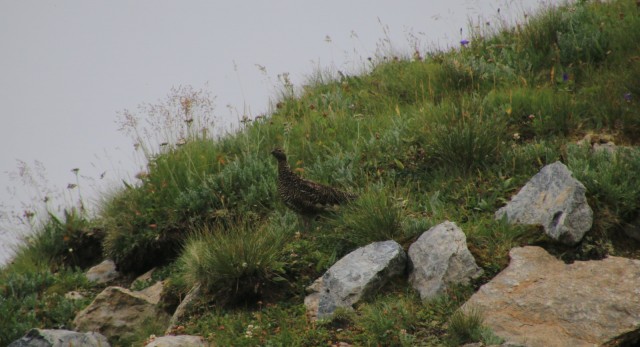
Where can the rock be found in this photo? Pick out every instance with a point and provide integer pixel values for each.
(116, 311)
(556, 201)
(355, 276)
(440, 257)
(144, 278)
(178, 341)
(599, 142)
(154, 292)
(74, 295)
(541, 301)
(183, 309)
(103, 272)
(60, 338)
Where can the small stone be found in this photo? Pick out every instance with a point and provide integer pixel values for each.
(103, 272)
(178, 341)
(60, 338)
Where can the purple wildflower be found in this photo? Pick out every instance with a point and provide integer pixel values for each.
(627, 97)
(565, 77)
(464, 43)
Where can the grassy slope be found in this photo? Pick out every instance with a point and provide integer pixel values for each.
(449, 136)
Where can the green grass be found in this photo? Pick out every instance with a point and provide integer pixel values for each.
(451, 136)
(234, 263)
(466, 327)
(36, 298)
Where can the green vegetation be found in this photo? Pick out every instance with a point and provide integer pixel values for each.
(450, 136)
(465, 327)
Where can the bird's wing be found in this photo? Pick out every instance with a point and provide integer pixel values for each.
(321, 193)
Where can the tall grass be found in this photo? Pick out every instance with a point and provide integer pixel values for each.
(234, 263)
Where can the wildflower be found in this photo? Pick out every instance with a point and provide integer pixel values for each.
(627, 97)
(464, 43)
(565, 77)
(516, 136)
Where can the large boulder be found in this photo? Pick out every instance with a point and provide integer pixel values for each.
(355, 276)
(116, 311)
(439, 258)
(541, 301)
(178, 341)
(103, 272)
(556, 201)
(60, 338)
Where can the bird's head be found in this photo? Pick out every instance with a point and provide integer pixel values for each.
(279, 154)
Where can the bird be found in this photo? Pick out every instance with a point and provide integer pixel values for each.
(305, 197)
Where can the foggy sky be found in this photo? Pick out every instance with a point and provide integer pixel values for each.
(68, 67)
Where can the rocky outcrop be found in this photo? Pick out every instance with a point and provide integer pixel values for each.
(103, 273)
(440, 257)
(60, 338)
(116, 311)
(541, 301)
(556, 201)
(177, 341)
(355, 276)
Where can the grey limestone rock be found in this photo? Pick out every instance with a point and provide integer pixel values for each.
(103, 272)
(116, 311)
(556, 201)
(440, 257)
(60, 338)
(355, 276)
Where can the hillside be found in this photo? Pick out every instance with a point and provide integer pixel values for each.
(420, 139)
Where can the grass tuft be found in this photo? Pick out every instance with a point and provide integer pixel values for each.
(235, 263)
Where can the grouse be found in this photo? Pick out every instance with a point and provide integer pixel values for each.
(305, 197)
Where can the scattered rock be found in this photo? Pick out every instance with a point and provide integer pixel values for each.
(599, 142)
(178, 341)
(154, 292)
(116, 311)
(556, 201)
(74, 295)
(440, 257)
(145, 277)
(541, 301)
(103, 272)
(183, 309)
(60, 338)
(355, 276)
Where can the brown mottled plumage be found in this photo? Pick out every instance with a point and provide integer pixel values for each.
(306, 197)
